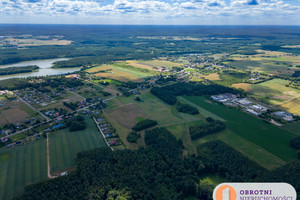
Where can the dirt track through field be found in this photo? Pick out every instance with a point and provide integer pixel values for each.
(48, 160)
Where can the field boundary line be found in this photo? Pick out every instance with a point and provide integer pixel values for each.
(48, 160)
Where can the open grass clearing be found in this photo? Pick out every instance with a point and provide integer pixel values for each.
(140, 64)
(126, 115)
(14, 115)
(264, 135)
(162, 63)
(64, 145)
(212, 77)
(158, 110)
(275, 92)
(205, 113)
(121, 131)
(247, 148)
(244, 86)
(119, 71)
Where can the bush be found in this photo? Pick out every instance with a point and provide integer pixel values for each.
(77, 125)
(147, 123)
(133, 137)
(186, 108)
(295, 142)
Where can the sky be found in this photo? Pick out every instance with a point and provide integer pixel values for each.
(151, 12)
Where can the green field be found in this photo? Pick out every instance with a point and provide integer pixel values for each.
(275, 92)
(155, 109)
(293, 127)
(64, 145)
(264, 135)
(261, 65)
(22, 166)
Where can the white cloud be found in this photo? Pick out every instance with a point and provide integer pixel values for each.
(148, 10)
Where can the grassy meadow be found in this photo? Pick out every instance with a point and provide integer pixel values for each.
(120, 71)
(22, 166)
(266, 136)
(64, 145)
(275, 92)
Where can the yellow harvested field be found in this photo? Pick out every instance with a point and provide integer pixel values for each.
(292, 46)
(162, 63)
(100, 68)
(292, 106)
(244, 86)
(120, 76)
(139, 64)
(212, 77)
(35, 42)
(14, 115)
(272, 53)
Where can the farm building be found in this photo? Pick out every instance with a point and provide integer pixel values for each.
(284, 115)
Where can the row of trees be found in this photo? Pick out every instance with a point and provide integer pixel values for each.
(213, 126)
(168, 93)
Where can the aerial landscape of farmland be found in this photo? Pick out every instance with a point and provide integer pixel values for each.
(146, 100)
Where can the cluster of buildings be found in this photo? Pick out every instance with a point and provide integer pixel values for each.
(35, 97)
(284, 115)
(233, 100)
(105, 127)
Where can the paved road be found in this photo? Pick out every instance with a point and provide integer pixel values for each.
(102, 133)
(36, 110)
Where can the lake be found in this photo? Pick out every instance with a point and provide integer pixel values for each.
(45, 68)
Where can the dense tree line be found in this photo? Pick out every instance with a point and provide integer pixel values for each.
(296, 74)
(147, 123)
(71, 105)
(186, 108)
(213, 126)
(156, 172)
(289, 173)
(14, 84)
(229, 163)
(18, 70)
(168, 93)
(295, 142)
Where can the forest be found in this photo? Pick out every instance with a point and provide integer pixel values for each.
(101, 44)
(168, 93)
(18, 70)
(155, 172)
(54, 82)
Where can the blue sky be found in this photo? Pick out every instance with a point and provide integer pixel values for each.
(171, 12)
